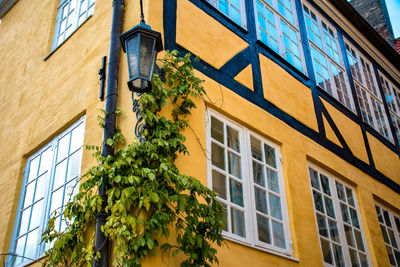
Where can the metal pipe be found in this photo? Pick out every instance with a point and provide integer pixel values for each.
(101, 243)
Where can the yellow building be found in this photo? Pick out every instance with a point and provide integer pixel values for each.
(301, 125)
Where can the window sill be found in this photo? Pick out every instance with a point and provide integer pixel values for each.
(55, 49)
(275, 253)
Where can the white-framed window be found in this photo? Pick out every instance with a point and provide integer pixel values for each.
(50, 180)
(246, 171)
(71, 14)
(369, 97)
(390, 227)
(277, 27)
(338, 220)
(392, 95)
(329, 69)
(233, 9)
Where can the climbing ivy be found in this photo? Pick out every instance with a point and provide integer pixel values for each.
(147, 197)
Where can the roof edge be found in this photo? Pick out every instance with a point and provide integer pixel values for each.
(367, 31)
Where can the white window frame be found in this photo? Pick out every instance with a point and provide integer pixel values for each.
(339, 217)
(278, 17)
(328, 59)
(242, 11)
(251, 230)
(392, 95)
(373, 115)
(394, 227)
(77, 14)
(47, 202)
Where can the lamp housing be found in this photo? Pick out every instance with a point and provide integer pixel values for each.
(141, 45)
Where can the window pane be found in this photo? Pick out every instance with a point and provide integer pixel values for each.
(236, 192)
(349, 236)
(334, 231)
(279, 236)
(63, 145)
(233, 138)
(354, 218)
(325, 185)
(36, 214)
(329, 207)
(74, 165)
(46, 159)
(19, 249)
(59, 176)
(314, 179)
(234, 164)
(353, 257)
(56, 200)
(318, 201)
(218, 181)
(261, 200)
(238, 226)
(24, 221)
(275, 206)
(256, 148)
(258, 174)
(218, 156)
(263, 229)
(273, 182)
(270, 156)
(349, 194)
(42, 186)
(77, 137)
(326, 251)
(322, 228)
(33, 168)
(31, 244)
(359, 241)
(337, 251)
(345, 213)
(30, 189)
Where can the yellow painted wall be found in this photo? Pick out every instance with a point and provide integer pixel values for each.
(350, 131)
(287, 93)
(386, 161)
(42, 98)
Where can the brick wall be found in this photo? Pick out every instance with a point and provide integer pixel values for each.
(376, 14)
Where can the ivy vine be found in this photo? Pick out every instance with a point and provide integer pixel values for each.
(147, 196)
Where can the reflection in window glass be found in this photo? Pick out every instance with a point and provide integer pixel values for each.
(252, 194)
(46, 181)
(337, 217)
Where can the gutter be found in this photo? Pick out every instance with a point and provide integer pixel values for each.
(102, 244)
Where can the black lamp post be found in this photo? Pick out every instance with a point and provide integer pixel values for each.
(141, 45)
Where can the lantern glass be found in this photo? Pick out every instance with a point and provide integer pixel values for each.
(132, 46)
(146, 51)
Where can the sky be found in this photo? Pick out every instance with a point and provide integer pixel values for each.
(393, 7)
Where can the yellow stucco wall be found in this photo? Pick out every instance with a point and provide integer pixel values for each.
(42, 98)
(386, 161)
(213, 43)
(350, 131)
(287, 93)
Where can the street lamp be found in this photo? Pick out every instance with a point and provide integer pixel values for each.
(141, 45)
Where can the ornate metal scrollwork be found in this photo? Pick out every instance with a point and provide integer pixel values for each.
(140, 126)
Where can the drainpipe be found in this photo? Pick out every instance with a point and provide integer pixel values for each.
(102, 245)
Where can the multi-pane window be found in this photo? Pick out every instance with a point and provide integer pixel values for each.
(336, 210)
(368, 95)
(245, 170)
(50, 179)
(233, 9)
(329, 69)
(277, 27)
(392, 95)
(390, 227)
(71, 14)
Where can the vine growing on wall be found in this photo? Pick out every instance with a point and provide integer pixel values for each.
(147, 196)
